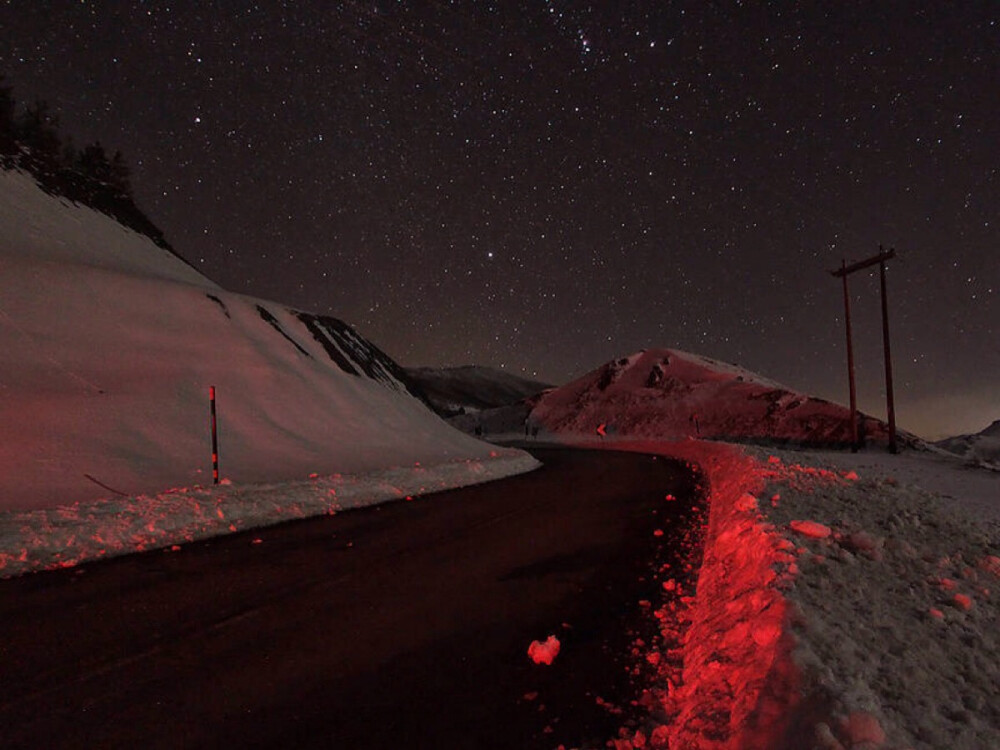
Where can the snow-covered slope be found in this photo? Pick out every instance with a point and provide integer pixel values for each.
(111, 343)
(664, 393)
(453, 390)
(981, 448)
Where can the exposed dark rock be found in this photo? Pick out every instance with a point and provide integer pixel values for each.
(273, 322)
(220, 303)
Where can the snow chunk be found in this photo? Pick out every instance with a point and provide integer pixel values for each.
(863, 727)
(544, 653)
(812, 529)
(962, 601)
(747, 502)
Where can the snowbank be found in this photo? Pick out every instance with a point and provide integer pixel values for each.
(111, 344)
(725, 674)
(843, 601)
(62, 537)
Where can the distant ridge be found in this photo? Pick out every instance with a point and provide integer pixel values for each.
(667, 393)
(981, 448)
(670, 394)
(992, 431)
(470, 388)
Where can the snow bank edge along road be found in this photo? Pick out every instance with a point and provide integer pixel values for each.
(787, 639)
(62, 537)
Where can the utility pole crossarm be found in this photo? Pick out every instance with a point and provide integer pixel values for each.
(880, 258)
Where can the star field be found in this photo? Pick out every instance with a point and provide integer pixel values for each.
(546, 185)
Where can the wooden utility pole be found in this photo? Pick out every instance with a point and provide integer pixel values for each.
(889, 401)
(843, 272)
(850, 360)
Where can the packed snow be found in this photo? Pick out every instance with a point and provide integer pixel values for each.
(900, 601)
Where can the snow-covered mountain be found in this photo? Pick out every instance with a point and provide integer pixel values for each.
(981, 448)
(664, 393)
(111, 343)
(456, 390)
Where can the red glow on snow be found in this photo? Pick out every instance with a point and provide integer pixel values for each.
(730, 681)
(990, 564)
(738, 681)
(544, 653)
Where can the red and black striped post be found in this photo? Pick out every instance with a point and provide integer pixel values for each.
(215, 437)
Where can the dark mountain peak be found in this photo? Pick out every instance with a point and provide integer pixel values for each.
(993, 430)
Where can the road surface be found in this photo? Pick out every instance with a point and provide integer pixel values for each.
(404, 625)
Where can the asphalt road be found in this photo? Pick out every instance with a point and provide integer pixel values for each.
(400, 626)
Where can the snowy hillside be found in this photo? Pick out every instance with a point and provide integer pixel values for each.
(981, 448)
(111, 343)
(664, 393)
(453, 390)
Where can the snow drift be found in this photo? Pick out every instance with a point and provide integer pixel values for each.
(110, 346)
(669, 394)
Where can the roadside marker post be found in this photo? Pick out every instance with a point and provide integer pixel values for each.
(215, 437)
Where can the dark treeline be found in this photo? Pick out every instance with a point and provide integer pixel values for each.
(30, 140)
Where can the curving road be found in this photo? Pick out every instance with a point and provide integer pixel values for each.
(404, 625)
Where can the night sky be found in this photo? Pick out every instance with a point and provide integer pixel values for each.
(543, 186)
